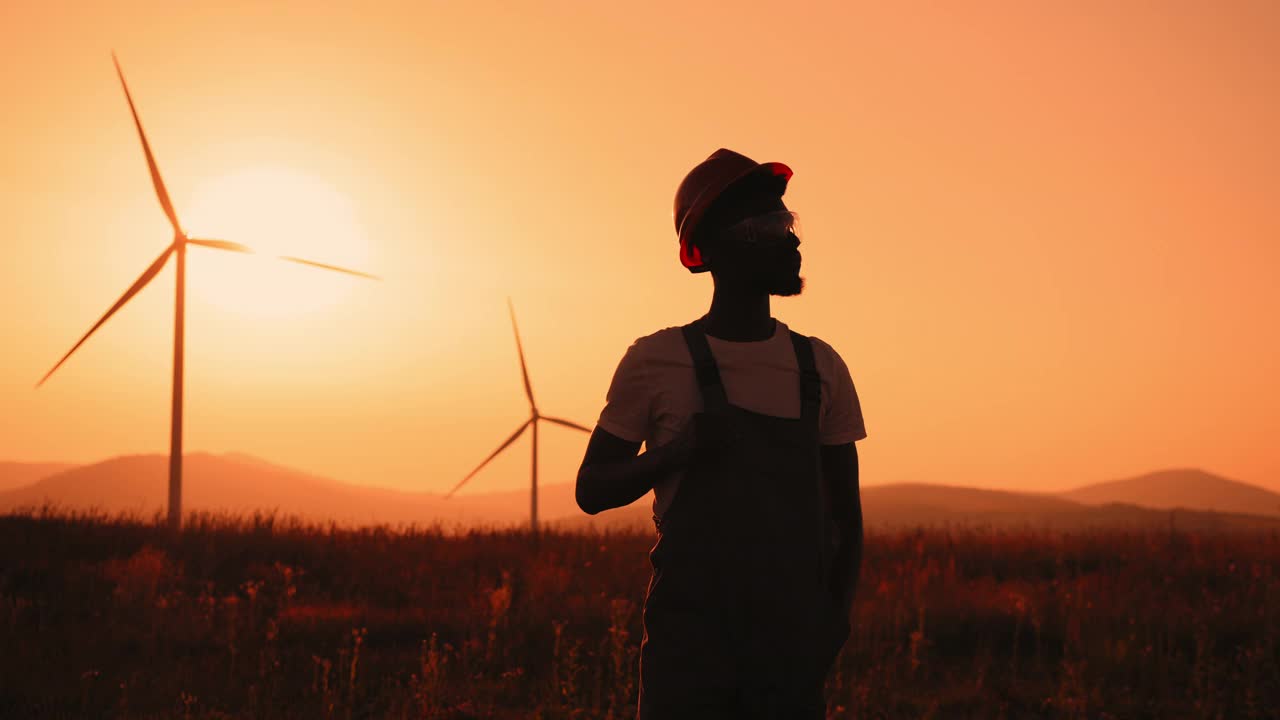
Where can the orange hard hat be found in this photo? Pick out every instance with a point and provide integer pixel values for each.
(708, 181)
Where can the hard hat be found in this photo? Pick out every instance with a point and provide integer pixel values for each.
(708, 181)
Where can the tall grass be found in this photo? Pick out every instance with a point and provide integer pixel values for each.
(266, 617)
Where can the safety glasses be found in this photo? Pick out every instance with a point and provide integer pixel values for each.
(767, 229)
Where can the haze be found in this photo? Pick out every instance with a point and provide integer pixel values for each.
(1042, 235)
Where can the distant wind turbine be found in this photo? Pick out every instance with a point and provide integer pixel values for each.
(532, 422)
(178, 248)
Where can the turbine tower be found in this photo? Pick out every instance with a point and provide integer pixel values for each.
(534, 418)
(177, 248)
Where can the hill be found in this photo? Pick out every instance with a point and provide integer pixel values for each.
(17, 474)
(1189, 488)
(241, 483)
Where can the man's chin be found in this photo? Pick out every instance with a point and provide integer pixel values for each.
(787, 287)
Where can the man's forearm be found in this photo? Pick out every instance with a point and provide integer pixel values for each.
(848, 565)
(840, 468)
(605, 485)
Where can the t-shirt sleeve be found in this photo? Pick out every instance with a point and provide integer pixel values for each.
(841, 420)
(627, 404)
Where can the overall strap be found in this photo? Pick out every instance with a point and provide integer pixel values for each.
(810, 382)
(704, 365)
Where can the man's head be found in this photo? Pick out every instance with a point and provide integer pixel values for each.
(731, 221)
(749, 239)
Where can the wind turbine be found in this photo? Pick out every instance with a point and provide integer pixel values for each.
(177, 248)
(534, 418)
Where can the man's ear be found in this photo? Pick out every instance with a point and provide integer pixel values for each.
(705, 248)
(704, 253)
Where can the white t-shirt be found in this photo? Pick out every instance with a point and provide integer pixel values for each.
(654, 392)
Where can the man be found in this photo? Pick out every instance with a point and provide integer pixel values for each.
(750, 432)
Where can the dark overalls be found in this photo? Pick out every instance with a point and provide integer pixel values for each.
(738, 620)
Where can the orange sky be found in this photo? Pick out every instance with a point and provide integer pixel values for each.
(1042, 235)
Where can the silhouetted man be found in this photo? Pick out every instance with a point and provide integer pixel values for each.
(750, 431)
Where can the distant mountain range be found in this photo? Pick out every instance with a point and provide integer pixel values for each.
(1186, 488)
(17, 474)
(1138, 502)
(242, 484)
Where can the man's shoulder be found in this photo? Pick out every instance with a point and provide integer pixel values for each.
(822, 350)
(659, 342)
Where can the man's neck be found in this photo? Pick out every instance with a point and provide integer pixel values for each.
(739, 316)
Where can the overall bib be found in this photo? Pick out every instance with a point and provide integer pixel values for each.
(738, 618)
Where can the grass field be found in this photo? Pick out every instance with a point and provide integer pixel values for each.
(259, 617)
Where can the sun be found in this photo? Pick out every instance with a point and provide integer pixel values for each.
(276, 211)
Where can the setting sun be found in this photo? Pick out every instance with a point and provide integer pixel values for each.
(277, 212)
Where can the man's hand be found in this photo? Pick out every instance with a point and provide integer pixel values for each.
(612, 475)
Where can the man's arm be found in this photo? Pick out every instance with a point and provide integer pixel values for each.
(612, 475)
(840, 470)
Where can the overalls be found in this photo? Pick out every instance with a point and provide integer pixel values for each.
(738, 619)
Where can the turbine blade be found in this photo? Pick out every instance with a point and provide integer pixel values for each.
(138, 284)
(221, 245)
(161, 193)
(239, 247)
(492, 455)
(528, 388)
(565, 423)
(335, 268)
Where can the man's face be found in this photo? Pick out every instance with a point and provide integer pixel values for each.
(767, 260)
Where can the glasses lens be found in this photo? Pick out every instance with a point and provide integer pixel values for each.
(771, 227)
